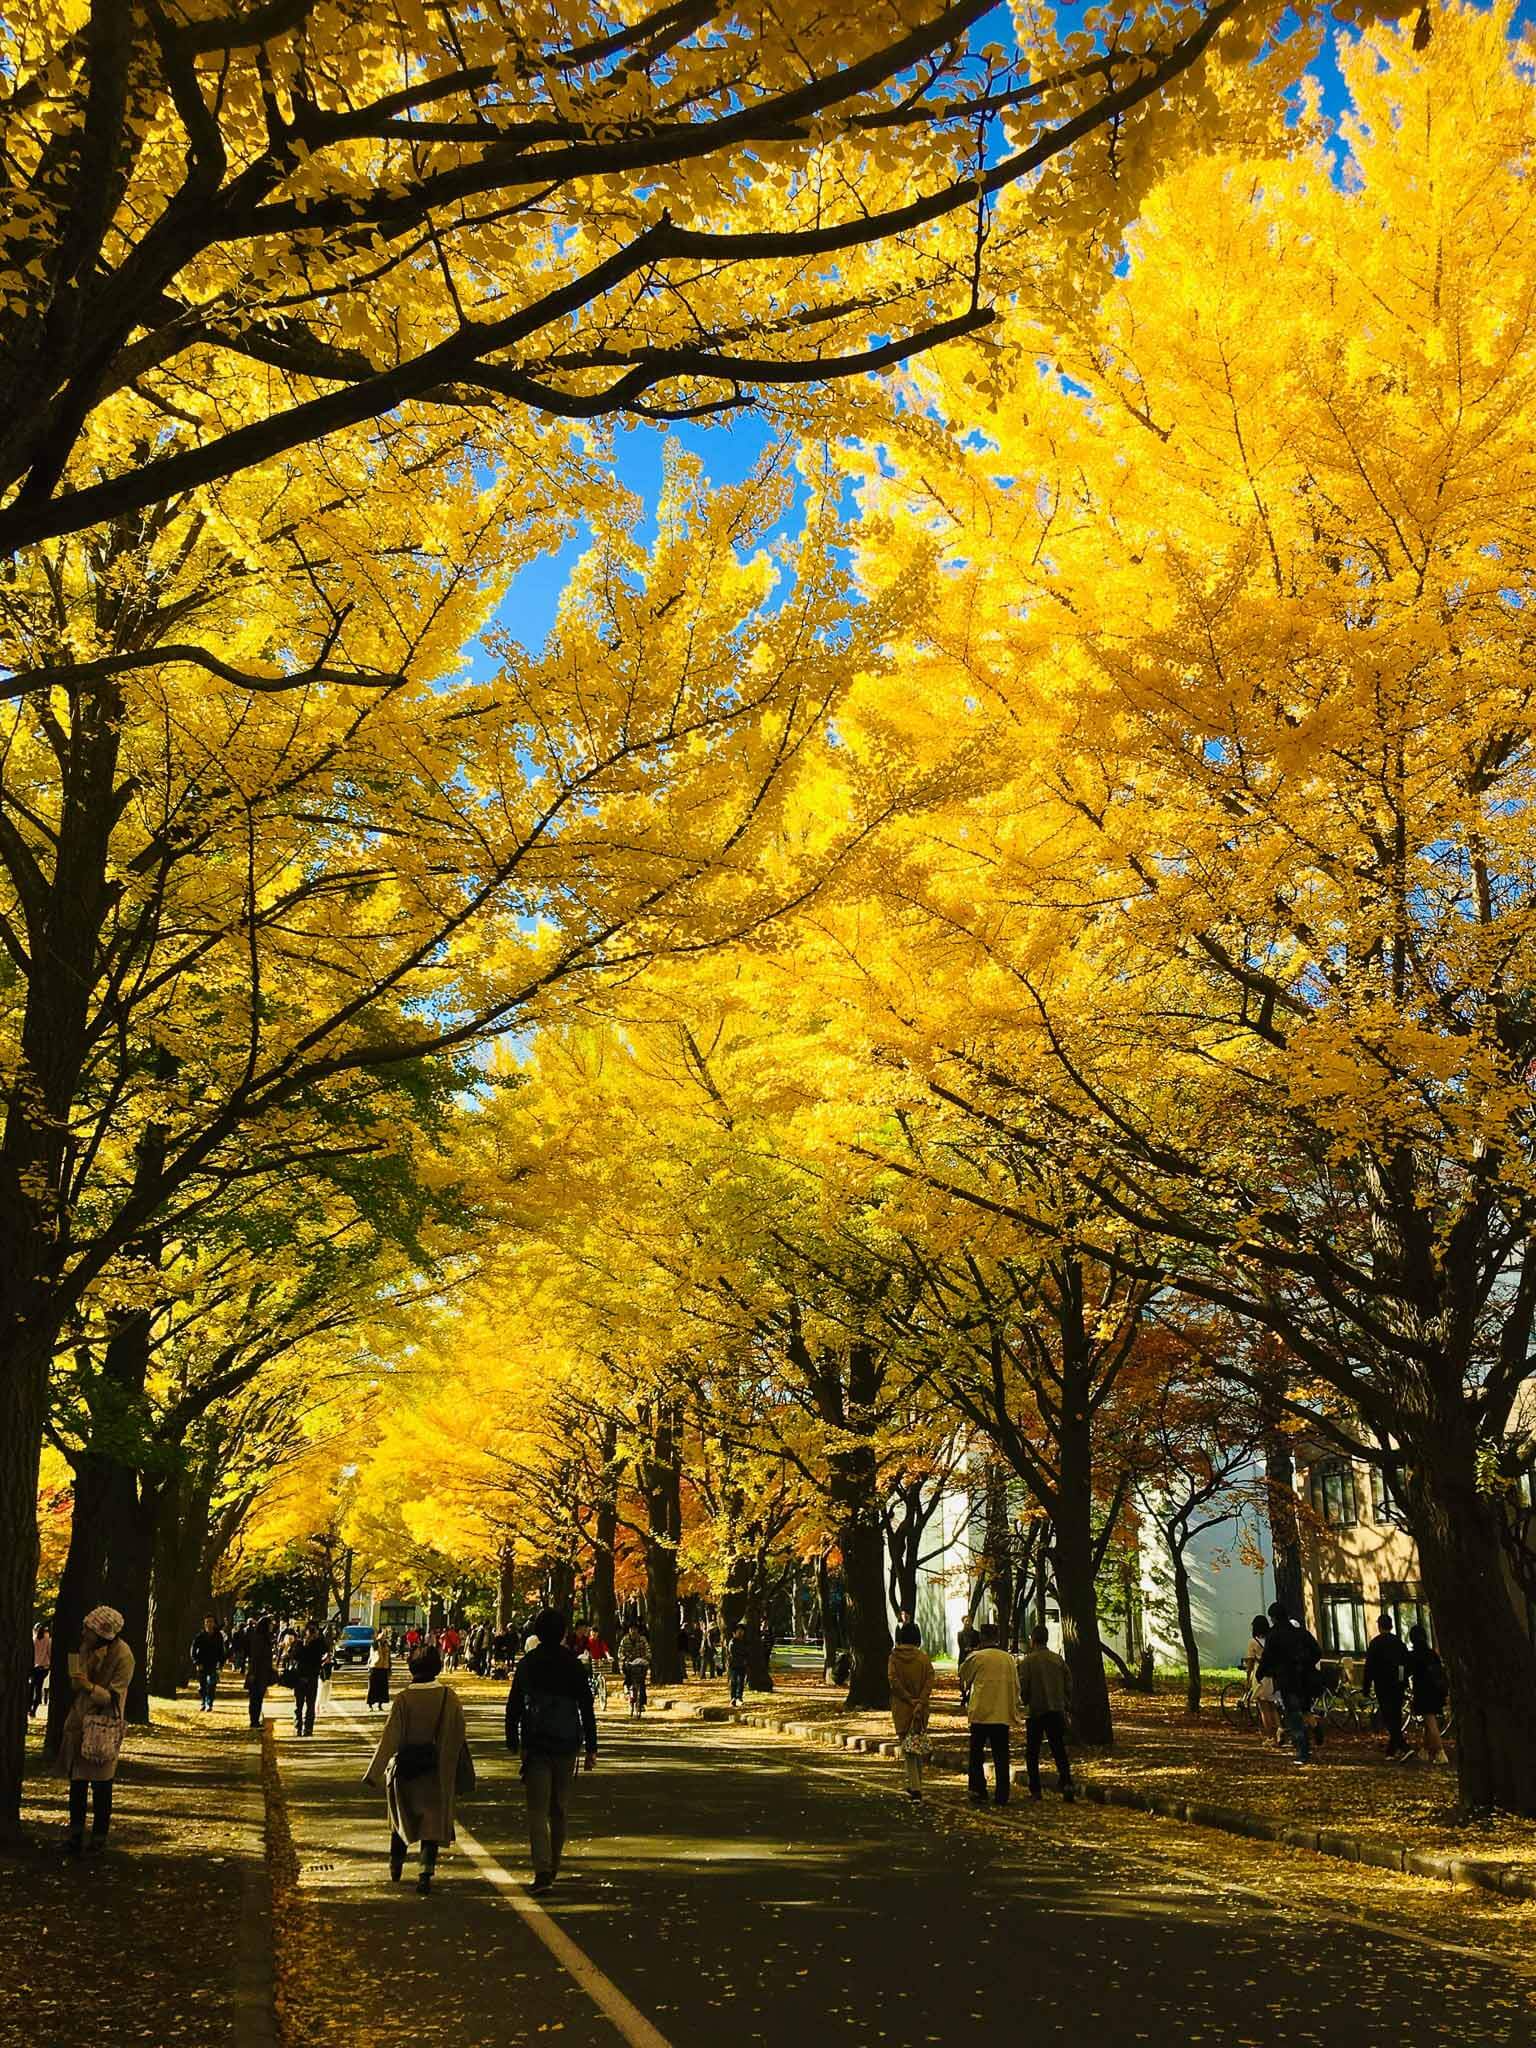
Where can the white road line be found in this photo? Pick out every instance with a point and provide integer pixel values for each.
(603, 1992)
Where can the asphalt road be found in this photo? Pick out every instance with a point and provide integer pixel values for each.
(721, 1890)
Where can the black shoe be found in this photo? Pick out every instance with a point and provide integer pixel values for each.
(95, 1841)
(1035, 1795)
(74, 1845)
(542, 1883)
(978, 1799)
(423, 1883)
(1001, 1799)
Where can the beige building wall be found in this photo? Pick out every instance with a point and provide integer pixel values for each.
(1358, 1558)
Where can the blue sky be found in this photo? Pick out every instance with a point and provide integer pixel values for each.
(728, 447)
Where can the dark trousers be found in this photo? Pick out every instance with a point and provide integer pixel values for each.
(305, 1691)
(257, 1694)
(991, 1735)
(1051, 1728)
(1391, 1705)
(207, 1683)
(38, 1680)
(547, 1781)
(101, 1805)
(738, 1684)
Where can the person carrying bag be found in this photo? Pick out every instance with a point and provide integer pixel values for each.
(422, 1765)
(93, 1734)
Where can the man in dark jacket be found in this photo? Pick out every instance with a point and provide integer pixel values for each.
(306, 1664)
(550, 1721)
(1386, 1674)
(1290, 1658)
(207, 1662)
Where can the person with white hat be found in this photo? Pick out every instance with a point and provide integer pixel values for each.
(93, 1732)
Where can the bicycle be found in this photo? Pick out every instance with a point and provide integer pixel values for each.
(1413, 1726)
(1239, 1701)
(598, 1679)
(634, 1689)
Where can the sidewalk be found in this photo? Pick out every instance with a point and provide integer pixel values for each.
(161, 1939)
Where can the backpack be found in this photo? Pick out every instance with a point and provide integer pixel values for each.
(551, 1723)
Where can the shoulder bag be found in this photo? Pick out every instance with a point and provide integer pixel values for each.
(419, 1759)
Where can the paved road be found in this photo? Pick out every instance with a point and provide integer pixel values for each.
(739, 1893)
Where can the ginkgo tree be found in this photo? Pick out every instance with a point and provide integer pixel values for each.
(235, 920)
(1243, 919)
(231, 231)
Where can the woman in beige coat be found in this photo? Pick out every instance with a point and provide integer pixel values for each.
(425, 1715)
(100, 1673)
(911, 1675)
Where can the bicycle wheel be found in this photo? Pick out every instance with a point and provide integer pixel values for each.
(1236, 1702)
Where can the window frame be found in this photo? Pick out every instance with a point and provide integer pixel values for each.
(1341, 1470)
(1331, 1595)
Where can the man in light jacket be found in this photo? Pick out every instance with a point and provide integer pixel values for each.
(1045, 1685)
(990, 1682)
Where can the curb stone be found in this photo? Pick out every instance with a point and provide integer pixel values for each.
(1466, 1873)
(255, 2012)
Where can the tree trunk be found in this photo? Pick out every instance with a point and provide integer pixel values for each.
(181, 1578)
(506, 1588)
(660, 1480)
(133, 1511)
(1284, 1522)
(1490, 1661)
(830, 1613)
(80, 1585)
(23, 1404)
(605, 1604)
(1186, 1616)
(999, 1542)
(744, 1604)
(1076, 1589)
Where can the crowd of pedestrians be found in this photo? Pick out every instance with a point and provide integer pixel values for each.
(1285, 1667)
(422, 1762)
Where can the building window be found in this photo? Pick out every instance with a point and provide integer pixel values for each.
(1406, 1604)
(1386, 1507)
(1333, 1493)
(1341, 1610)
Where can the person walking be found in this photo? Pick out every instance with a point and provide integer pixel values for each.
(1429, 1691)
(989, 1680)
(379, 1668)
(911, 1678)
(635, 1663)
(550, 1723)
(1386, 1674)
(207, 1662)
(42, 1657)
(1045, 1689)
(709, 1649)
(423, 1766)
(1262, 1689)
(260, 1671)
(737, 1664)
(100, 1673)
(306, 1664)
(1290, 1658)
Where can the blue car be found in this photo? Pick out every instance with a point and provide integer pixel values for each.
(356, 1644)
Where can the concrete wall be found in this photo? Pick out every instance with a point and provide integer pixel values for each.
(1227, 1589)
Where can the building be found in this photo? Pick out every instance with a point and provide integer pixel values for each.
(1231, 1579)
(1358, 1557)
